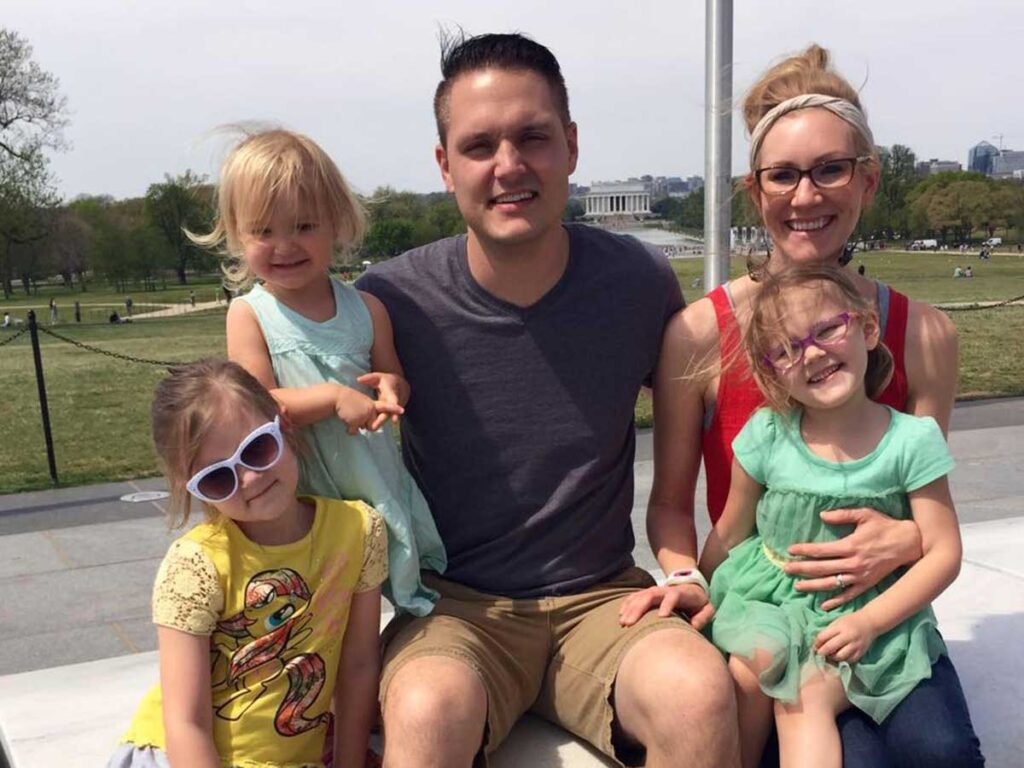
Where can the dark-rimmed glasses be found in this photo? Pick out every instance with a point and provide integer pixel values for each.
(825, 334)
(259, 450)
(830, 174)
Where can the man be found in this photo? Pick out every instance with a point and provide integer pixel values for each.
(525, 343)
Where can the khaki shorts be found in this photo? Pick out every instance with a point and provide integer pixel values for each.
(554, 656)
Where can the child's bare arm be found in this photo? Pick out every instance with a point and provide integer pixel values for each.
(301, 405)
(847, 638)
(187, 702)
(737, 521)
(355, 691)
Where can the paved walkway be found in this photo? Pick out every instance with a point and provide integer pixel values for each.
(77, 565)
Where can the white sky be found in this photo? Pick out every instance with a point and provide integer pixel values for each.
(146, 81)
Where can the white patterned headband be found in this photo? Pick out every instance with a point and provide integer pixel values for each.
(841, 108)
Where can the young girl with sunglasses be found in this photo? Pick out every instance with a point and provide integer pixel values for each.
(323, 348)
(821, 444)
(268, 612)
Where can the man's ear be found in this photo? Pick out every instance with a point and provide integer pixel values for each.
(572, 137)
(441, 156)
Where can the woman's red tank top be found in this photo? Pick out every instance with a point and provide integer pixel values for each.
(738, 396)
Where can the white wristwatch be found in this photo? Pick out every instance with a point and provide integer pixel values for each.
(687, 576)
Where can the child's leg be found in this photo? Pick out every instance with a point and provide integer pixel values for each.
(807, 729)
(753, 706)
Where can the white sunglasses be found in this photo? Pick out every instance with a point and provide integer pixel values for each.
(260, 450)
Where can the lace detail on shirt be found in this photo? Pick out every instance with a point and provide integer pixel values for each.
(187, 594)
(375, 552)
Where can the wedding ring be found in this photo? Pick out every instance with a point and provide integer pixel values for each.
(840, 581)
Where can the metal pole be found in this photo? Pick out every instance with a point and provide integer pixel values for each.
(717, 140)
(37, 356)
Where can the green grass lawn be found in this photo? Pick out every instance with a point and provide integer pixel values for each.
(99, 405)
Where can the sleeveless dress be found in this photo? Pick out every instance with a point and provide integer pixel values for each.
(365, 466)
(757, 605)
(738, 395)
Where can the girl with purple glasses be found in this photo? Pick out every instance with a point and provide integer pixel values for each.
(813, 345)
(267, 613)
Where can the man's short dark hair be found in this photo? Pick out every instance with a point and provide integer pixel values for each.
(461, 54)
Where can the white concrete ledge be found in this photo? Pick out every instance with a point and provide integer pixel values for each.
(73, 715)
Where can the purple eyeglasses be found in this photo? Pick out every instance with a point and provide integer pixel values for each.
(825, 334)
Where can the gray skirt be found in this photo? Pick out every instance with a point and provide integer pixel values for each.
(131, 756)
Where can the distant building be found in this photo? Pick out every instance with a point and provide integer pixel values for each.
(933, 166)
(979, 158)
(618, 198)
(1007, 163)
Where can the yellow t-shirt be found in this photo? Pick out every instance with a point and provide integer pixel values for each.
(276, 617)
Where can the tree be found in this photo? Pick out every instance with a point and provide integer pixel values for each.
(174, 207)
(33, 115)
(888, 214)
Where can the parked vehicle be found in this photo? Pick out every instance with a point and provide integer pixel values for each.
(928, 244)
(993, 241)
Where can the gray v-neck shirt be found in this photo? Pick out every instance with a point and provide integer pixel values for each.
(520, 427)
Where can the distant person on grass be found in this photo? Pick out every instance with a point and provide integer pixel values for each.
(526, 342)
(322, 348)
(267, 613)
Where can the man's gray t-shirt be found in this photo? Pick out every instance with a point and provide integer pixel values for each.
(520, 426)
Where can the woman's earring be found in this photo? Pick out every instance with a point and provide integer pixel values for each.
(847, 254)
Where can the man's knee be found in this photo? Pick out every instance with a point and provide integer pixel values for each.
(435, 694)
(675, 677)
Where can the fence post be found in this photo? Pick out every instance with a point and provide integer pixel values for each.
(37, 356)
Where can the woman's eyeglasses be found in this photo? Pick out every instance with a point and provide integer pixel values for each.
(260, 450)
(825, 334)
(831, 174)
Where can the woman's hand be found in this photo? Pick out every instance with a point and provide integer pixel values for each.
(847, 638)
(876, 547)
(687, 599)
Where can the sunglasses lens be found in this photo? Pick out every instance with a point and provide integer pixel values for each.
(217, 485)
(261, 452)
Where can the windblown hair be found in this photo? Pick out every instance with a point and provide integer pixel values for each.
(270, 168)
(766, 329)
(187, 405)
(515, 52)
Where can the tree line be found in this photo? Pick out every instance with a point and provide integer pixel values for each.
(952, 207)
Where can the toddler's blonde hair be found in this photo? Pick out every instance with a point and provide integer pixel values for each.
(277, 167)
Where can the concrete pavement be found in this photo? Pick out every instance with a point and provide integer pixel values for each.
(77, 566)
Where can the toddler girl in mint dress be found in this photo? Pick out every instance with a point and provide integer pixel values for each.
(823, 444)
(323, 349)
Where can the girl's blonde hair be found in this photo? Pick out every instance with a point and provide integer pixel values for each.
(804, 73)
(270, 168)
(187, 405)
(766, 329)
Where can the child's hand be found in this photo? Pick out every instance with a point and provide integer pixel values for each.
(361, 412)
(847, 638)
(687, 599)
(391, 389)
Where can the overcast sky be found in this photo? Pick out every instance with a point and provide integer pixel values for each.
(147, 81)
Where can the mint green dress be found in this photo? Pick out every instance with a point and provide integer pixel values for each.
(756, 604)
(365, 466)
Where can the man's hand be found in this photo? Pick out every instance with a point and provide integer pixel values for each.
(847, 638)
(687, 599)
(876, 547)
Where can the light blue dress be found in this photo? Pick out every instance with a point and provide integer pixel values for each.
(757, 605)
(338, 465)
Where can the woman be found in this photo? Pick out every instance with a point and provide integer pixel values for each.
(814, 168)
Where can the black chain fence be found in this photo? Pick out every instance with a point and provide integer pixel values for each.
(108, 353)
(981, 305)
(13, 336)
